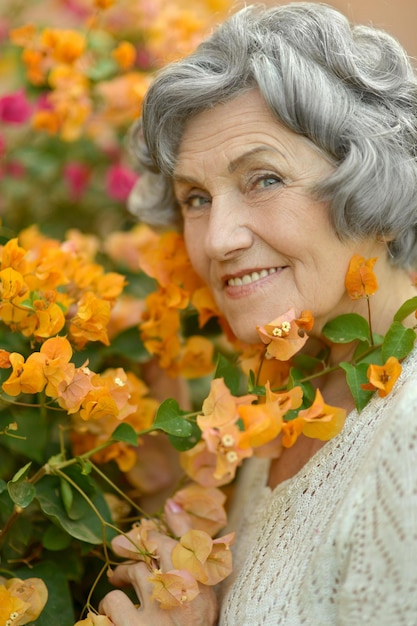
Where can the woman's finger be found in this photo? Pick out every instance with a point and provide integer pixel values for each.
(117, 606)
(135, 574)
(177, 519)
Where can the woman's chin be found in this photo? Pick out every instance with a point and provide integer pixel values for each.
(245, 333)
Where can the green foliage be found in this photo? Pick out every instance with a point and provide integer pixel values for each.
(347, 328)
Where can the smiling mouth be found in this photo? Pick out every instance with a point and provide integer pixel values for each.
(247, 279)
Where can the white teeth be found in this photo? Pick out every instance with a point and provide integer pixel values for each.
(250, 278)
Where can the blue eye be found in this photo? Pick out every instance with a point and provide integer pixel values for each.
(267, 181)
(195, 202)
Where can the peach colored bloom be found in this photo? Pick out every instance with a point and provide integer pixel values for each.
(204, 507)
(137, 544)
(220, 406)
(285, 335)
(226, 444)
(174, 588)
(200, 464)
(208, 560)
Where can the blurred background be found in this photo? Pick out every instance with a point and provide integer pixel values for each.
(71, 87)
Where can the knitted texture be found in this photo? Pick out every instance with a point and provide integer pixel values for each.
(337, 543)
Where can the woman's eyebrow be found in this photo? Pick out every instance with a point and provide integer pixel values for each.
(246, 156)
(178, 177)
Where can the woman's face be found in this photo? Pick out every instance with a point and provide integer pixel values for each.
(253, 231)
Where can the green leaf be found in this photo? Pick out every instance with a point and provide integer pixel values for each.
(347, 328)
(306, 363)
(55, 539)
(87, 528)
(76, 505)
(129, 345)
(19, 537)
(66, 494)
(398, 342)
(365, 353)
(229, 372)
(409, 306)
(21, 492)
(169, 419)
(355, 377)
(125, 433)
(3, 485)
(21, 473)
(33, 431)
(186, 443)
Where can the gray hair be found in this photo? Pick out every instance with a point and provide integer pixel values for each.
(351, 90)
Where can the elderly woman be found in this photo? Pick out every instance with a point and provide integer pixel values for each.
(283, 146)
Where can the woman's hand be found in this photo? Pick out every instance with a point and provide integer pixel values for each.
(202, 611)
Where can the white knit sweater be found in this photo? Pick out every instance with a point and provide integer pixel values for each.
(337, 543)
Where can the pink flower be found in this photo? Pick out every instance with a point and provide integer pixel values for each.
(15, 108)
(120, 181)
(77, 176)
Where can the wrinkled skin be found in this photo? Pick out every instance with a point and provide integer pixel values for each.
(202, 611)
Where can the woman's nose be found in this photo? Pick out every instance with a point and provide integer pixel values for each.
(228, 230)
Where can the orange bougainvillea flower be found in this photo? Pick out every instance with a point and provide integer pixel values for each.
(203, 506)
(65, 46)
(219, 563)
(196, 358)
(225, 444)
(220, 406)
(174, 588)
(291, 431)
(26, 377)
(286, 334)
(192, 552)
(200, 464)
(262, 423)
(137, 544)
(12, 284)
(203, 301)
(208, 560)
(90, 322)
(5, 359)
(322, 421)
(287, 400)
(383, 377)
(360, 280)
(125, 55)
